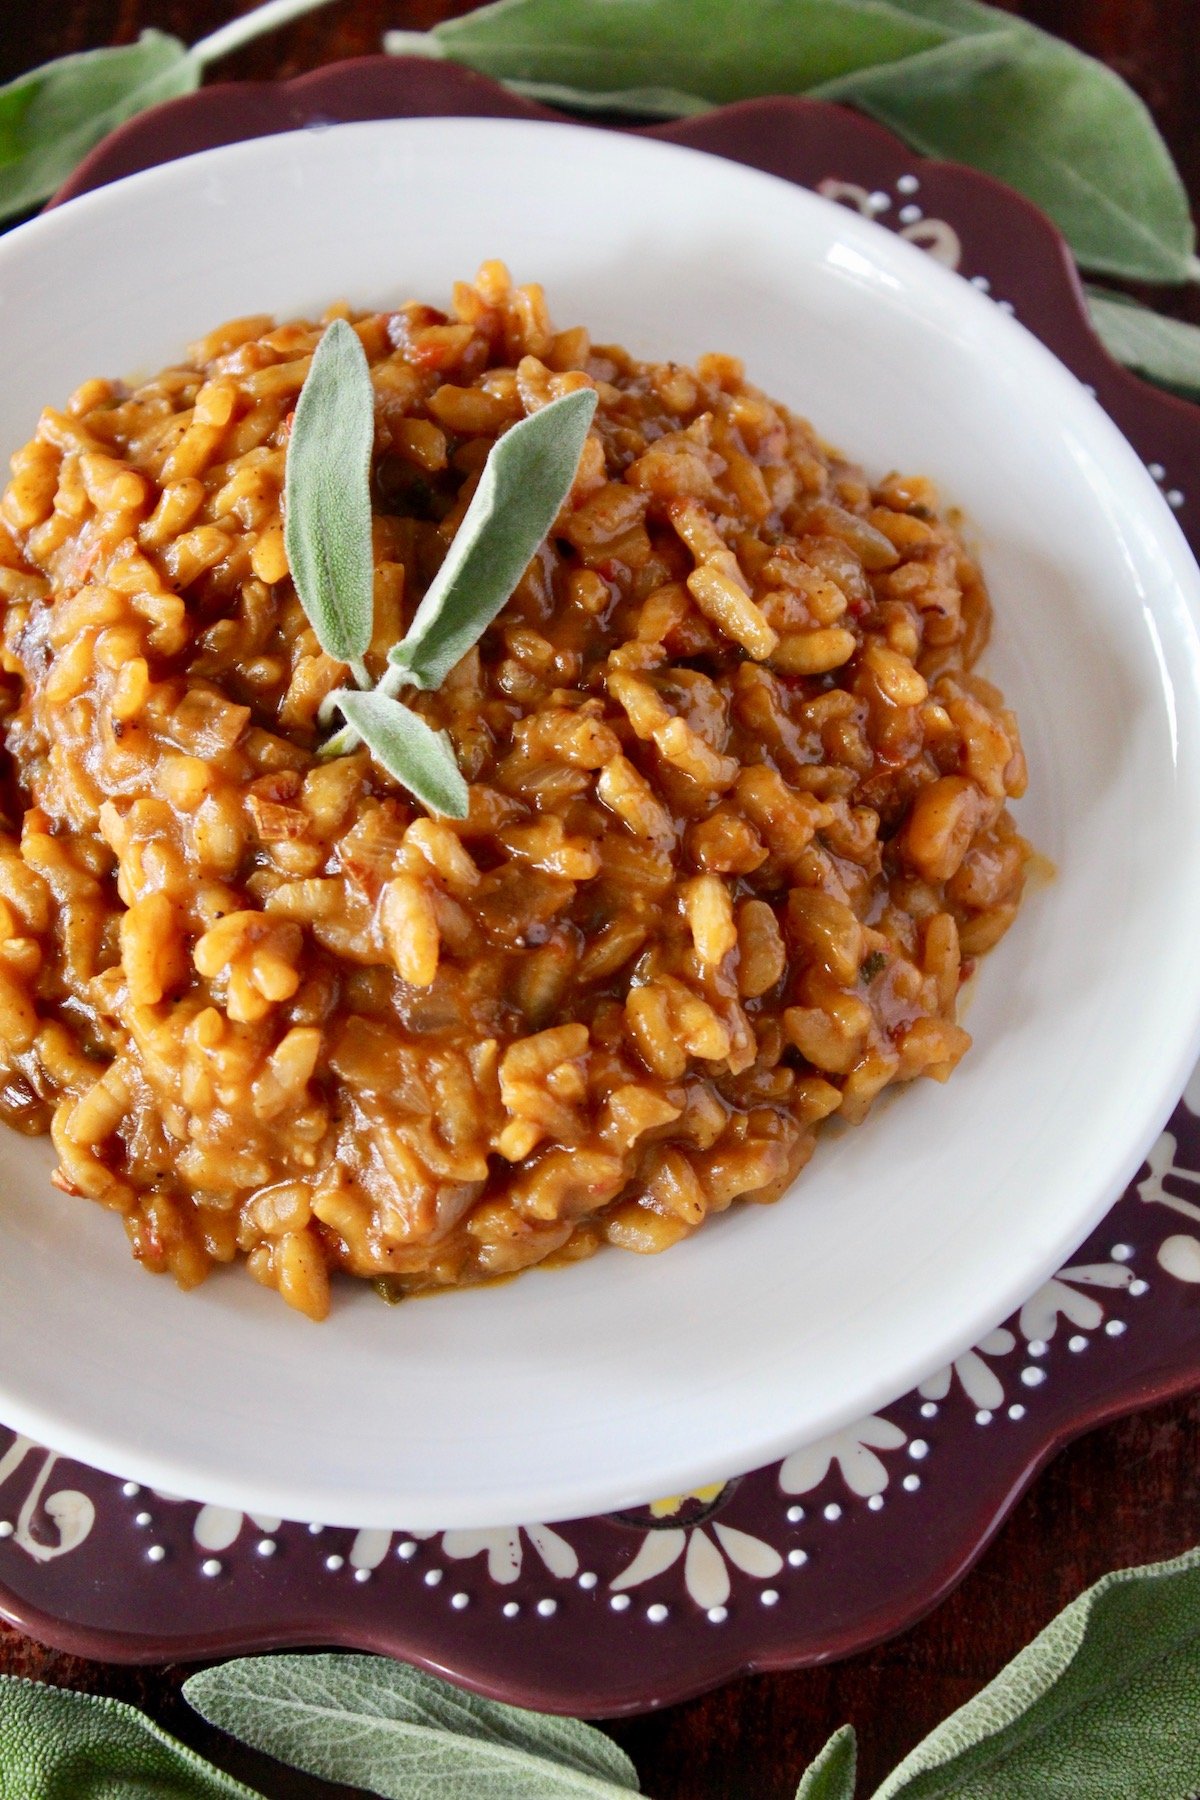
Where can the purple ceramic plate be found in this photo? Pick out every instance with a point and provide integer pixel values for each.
(844, 1542)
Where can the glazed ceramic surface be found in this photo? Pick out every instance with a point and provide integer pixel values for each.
(906, 1241)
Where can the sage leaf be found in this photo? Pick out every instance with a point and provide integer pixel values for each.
(1058, 126)
(525, 480)
(51, 117)
(831, 1777)
(421, 759)
(59, 1745)
(1164, 350)
(372, 1723)
(954, 78)
(1102, 1702)
(589, 46)
(327, 496)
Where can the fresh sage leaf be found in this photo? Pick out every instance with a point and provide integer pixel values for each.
(831, 1777)
(51, 117)
(327, 497)
(525, 480)
(1164, 350)
(372, 1723)
(1101, 1703)
(955, 78)
(1058, 126)
(586, 46)
(421, 759)
(59, 1745)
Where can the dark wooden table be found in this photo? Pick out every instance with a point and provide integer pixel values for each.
(1127, 1494)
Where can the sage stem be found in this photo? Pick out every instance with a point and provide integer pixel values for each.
(251, 25)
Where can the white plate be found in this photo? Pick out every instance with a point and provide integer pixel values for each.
(599, 1385)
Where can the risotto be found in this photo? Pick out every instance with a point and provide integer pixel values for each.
(737, 824)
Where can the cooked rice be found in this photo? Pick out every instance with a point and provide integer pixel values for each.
(738, 818)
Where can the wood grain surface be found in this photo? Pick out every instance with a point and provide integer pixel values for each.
(1126, 1494)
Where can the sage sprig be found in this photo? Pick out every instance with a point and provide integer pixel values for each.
(51, 117)
(525, 480)
(327, 497)
(955, 78)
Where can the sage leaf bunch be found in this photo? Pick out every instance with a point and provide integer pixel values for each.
(954, 78)
(51, 117)
(525, 481)
(59, 1745)
(372, 1723)
(327, 497)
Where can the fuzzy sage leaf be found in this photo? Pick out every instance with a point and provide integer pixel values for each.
(1101, 1703)
(327, 497)
(525, 480)
(421, 759)
(1164, 350)
(52, 116)
(377, 1724)
(955, 78)
(831, 1776)
(59, 1745)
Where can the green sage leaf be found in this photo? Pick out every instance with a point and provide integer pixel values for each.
(421, 759)
(590, 46)
(1164, 350)
(1101, 1703)
(832, 1776)
(51, 117)
(59, 1745)
(1058, 126)
(525, 480)
(373, 1723)
(955, 78)
(327, 496)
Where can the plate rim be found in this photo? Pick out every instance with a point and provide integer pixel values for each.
(165, 1473)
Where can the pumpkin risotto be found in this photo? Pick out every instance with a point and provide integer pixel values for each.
(737, 820)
